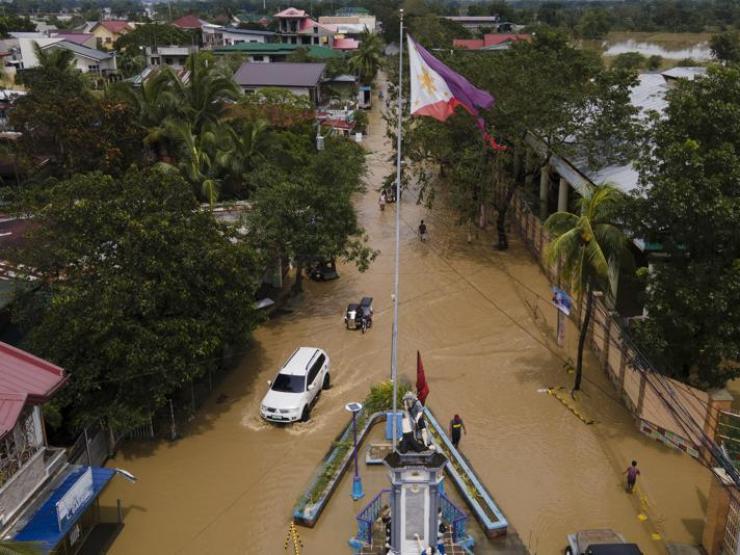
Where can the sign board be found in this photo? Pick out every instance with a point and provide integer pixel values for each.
(561, 300)
(72, 502)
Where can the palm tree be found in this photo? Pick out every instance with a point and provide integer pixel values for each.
(366, 60)
(586, 245)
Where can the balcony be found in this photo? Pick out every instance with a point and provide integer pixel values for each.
(28, 474)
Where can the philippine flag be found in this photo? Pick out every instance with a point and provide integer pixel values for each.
(436, 91)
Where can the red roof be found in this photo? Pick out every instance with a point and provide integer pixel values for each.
(338, 124)
(470, 44)
(488, 40)
(116, 25)
(188, 22)
(24, 378)
(77, 38)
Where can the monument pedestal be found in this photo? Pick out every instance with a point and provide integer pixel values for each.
(415, 479)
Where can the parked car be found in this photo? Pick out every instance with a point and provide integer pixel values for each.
(323, 270)
(297, 386)
(602, 541)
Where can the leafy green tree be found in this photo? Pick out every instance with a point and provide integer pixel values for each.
(308, 215)
(689, 204)
(152, 34)
(585, 246)
(154, 289)
(629, 61)
(66, 129)
(432, 31)
(725, 46)
(654, 62)
(365, 61)
(594, 24)
(14, 23)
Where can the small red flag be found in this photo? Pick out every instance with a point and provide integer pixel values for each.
(422, 389)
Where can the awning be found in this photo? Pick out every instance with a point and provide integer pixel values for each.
(78, 497)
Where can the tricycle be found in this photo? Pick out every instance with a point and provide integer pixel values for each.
(359, 315)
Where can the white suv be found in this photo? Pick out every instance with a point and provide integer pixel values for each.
(297, 386)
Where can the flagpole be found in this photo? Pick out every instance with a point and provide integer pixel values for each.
(394, 339)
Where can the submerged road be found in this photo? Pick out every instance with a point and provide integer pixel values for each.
(483, 324)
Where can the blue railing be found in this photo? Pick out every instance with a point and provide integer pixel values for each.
(458, 520)
(367, 517)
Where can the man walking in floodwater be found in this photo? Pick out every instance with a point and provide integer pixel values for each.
(423, 231)
(632, 473)
(456, 428)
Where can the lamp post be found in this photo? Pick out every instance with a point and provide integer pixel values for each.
(357, 492)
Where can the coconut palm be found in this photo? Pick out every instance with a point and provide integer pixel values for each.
(586, 245)
(366, 59)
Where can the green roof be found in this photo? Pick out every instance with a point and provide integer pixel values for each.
(319, 52)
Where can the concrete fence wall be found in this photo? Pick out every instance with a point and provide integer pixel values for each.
(651, 397)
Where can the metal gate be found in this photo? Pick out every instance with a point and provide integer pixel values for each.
(732, 529)
(728, 435)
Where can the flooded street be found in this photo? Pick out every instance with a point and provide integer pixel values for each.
(671, 46)
(484, 326)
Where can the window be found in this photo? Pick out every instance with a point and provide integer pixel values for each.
(258, 58)
(238, 42)
(168, 61)
(108, 40)
(93, 68)
(316, 368)
(288, 384)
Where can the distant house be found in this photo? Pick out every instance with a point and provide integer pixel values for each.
(296, 27)
(189, 23)
(83, 39)
(215, 36)
(497, 41)
(300, 79)
(110, 30)
(172, 56)
(352, 24)
(87, 60)
(276, 52)
(475, 22)
(44, 497)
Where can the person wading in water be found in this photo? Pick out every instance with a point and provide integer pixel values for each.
(457, 427)
(632, 473)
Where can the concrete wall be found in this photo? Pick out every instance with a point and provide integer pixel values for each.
(19, 488)
(641, 392)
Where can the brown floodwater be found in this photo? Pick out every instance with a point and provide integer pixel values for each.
(483, 324)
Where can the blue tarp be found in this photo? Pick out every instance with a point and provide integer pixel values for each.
(43, 526)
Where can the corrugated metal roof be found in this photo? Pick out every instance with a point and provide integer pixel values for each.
(279, 75)
(11, 405)
(44, 526)
(91, 53)
(25, 374)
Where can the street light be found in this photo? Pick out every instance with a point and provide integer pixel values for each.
(357, 492)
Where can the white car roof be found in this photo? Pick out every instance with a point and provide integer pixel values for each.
(297, 364)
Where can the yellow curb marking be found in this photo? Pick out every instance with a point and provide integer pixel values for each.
(569, 406)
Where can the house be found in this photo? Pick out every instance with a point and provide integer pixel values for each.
(215, 36)
(497, 41)
(277, 52)
(475, 23)
(352, 25)
(296, 27)
(189, 23)
(43, 496)
(87, 60)
(300, 79)
(83, 39)
(174, 56)
(110, 30)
